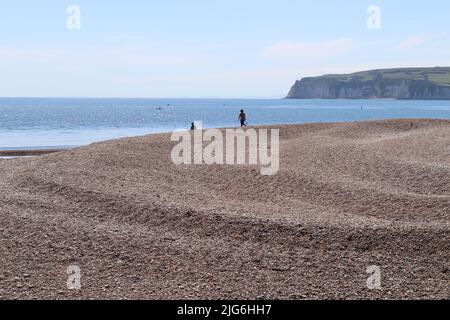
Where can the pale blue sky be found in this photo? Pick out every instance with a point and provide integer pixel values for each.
(201, 48)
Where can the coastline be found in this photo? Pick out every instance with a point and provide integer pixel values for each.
(32, 151)
(28, 153)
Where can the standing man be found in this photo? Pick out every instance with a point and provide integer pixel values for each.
(242, 118)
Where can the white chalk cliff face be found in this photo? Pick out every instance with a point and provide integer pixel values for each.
(411, 83)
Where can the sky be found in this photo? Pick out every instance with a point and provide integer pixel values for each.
(208, 48)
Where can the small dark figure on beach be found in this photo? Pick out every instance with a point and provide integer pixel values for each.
(193, 127)
(242, 118)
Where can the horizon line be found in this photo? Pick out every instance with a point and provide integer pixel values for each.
(154, 98)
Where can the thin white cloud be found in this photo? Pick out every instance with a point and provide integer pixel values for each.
(411, 42)
(94, 56)
(23, 55)
(309, 50)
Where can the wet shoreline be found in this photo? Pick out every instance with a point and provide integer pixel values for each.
(26, 153)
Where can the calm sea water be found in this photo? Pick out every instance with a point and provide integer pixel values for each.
(35, 123)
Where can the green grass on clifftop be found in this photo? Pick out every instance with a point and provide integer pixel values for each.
(438, 75)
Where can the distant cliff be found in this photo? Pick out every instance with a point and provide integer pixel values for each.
(405, 83)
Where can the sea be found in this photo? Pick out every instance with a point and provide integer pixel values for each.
(39, 123)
